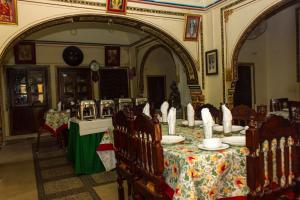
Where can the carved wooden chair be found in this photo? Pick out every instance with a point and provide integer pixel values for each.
(272, 165)
(261, 112)
(278, 104)
(294, 110)
(215, 112)
(241, 114)
(149, 182)
(123, 143)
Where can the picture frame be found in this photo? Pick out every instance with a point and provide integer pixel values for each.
(116, 6)
(211, 58)
(112, 56)
(192, 25)
(24, 53)
(8, 14)
(298, 42)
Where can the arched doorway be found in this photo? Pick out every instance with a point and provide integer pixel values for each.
(247, 34)
(159, 35)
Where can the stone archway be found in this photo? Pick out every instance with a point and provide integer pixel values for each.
(145, 57)
(265, 15)
(159, 35)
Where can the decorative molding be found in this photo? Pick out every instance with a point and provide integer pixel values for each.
(227, 13)
(146, 10)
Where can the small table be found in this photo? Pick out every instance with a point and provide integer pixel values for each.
(56, 122)
(84, 139)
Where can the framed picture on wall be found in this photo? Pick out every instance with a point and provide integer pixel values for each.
(298, 42)
(24, 53)
(112, 56)
(8, 12)
(211, 62)
(116, 6)
(192, 24)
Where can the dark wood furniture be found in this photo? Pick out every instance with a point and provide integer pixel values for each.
(114, 83)
(272, 165)
(261, 112)
(215, 112)
(241, 114)
(123, 142)
(278, 104)
(74, 84)
(294, 110)
(28, 98)
(149, 182)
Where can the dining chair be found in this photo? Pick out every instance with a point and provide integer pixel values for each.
(123, 143)
(215, 112)
(149, 182)
(278, 104)
(294, 110)
(261, 112)
(272, 165)
(241, 114)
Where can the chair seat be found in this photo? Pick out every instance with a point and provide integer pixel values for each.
(148, 189)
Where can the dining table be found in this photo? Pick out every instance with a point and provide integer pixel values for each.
(90, 146)
(194, 173)
(56, 122)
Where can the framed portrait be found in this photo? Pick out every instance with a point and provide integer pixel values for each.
(192, 24)
(8, 12)
(211, 62)
(25, 53)
(298, 42)
(112, 56)
(116, 6)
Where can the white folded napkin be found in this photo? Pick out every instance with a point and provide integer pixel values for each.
(208, 123)
(172, 120)
(59, 106)
(227, 119)
(146, 110)
(164, 111)
(190, 115)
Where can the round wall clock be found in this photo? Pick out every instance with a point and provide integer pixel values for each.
(73, 56)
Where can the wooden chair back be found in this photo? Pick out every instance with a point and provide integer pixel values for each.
(271, 162)
(149, 161)
(215, 112)
(261, 112)
(241, 114)
(278, 104)
(294, 110)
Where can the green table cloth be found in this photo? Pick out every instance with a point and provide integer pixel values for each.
(82, 151)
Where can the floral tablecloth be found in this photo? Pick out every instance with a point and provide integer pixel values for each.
(56, 121)
(197, 174)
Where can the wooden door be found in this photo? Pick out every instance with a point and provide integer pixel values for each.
(28, 97)
(156, 90)
(244, 88)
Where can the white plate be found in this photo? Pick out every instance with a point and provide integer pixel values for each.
(198, 122)
(235, 140)
(223, 146)
(235, 128)
(172, 139)
(185, 122)
(218, 128)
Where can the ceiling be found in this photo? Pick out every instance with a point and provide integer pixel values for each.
(89, 32)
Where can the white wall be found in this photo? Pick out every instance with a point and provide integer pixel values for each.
(274, 56)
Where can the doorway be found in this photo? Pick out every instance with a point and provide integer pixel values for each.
(156, 90)
(245, 86)
(28, 98)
